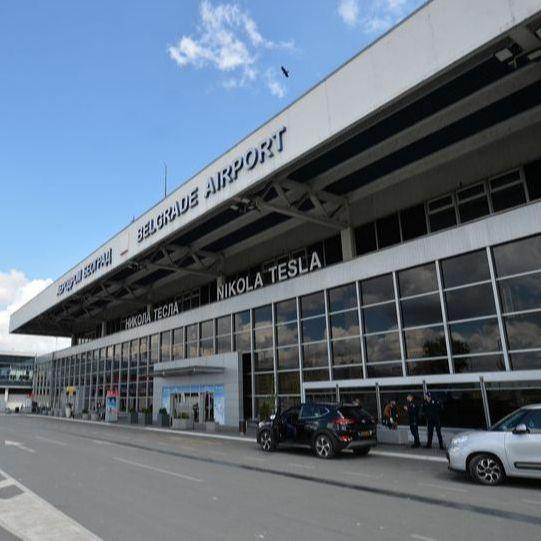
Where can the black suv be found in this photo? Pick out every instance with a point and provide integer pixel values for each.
(325, 428)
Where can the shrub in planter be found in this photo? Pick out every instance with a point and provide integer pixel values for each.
(85, 416)
(147, 416)
(133, 417)
(182, 421)
(163, 417)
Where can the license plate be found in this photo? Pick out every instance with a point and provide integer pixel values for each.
(366, 434)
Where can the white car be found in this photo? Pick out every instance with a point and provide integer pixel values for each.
(512, 448)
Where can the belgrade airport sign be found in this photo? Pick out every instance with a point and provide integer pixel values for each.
(277, 273)
(248, 161)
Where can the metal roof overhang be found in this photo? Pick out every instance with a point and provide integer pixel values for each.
(187, 367)
(470, 97)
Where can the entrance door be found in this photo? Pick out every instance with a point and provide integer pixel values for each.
(207, 401)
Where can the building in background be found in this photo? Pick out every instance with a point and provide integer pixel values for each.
(16, 375)
(380, 236)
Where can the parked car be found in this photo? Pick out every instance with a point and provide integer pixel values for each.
(511, 448)
(325, 428)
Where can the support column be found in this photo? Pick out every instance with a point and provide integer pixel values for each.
(103, 328)
(347, 236)
(6, 396)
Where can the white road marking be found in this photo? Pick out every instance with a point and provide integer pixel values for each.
(443, 487)
(422, 537)
(43, 438)
(159, 470)
(360, 474)
(534, 502)
(297, 465)
(30, 517)
(19, 445)
(409, 456)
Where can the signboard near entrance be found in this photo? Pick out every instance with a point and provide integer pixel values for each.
(111, 406)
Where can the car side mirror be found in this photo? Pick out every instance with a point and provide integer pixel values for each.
(521, 429)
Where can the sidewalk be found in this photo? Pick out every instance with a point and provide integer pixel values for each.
(386, 450)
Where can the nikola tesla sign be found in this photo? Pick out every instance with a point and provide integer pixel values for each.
(248, 161)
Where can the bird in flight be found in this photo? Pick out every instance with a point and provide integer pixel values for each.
(284, 71)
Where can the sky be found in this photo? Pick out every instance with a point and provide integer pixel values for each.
(96, 96)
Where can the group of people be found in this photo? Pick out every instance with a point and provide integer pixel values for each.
(431, 408)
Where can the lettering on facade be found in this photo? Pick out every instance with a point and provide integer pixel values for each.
(253, 157)
(277, 273)
(104, 260)
(143, 318)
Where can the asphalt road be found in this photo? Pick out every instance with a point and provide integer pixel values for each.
(136, 484)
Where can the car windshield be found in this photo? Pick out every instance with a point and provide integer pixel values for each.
(510, 422)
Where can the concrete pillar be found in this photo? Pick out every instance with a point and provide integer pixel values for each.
(347, 236)
(103, 328)
(6, 396)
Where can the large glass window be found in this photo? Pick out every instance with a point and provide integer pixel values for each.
(192, 340)
(470, 302)
(462, 405)
(223, 334)
(418, 280)
(517, 257)
(388, 231)
(472, 203)
(206, 340)
(178, 343)
(413, 222)
(507, 190)
(465, 269)
(441, 213)
(376, 290)
(166, 346)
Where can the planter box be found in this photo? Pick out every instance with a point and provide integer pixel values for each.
(145, 418)
(85, 417)
(182, 424)
(94, 416)
(133, 417)
(210, 426)
(400, 436)
(163, 420)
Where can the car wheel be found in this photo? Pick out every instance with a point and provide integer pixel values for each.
(361, 451)
(324, 446)
(487, 470)
(266, 441)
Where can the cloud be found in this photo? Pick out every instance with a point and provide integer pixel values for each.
(15, 290)
(276, 88)
(227, 40)
(375, 16)
(349, 11)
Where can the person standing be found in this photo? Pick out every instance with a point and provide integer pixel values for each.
(413, 413)
(432, 409)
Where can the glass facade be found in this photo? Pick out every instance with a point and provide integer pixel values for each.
(478, 312)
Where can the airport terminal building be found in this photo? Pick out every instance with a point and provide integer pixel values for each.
(379, 236)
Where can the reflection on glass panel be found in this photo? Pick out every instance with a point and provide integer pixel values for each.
(420, 368)
(286, 334)
(263, 338)
(520, 293)
(518, 256)
(342, 298)
(442, 219)
(380, 318)
(312, 305)
(346, 351)
(473, 209)
(388, 231)
(506, 397)
(465, 269)
(421, 310)
(365, 238)
(384, 370)
(418, 280)
(286, 311)
(192, 349)
(154, 349)
(178, 343)
(207, 330)
(264, 384)
(428, 342)
(287, 358)
(223, 344)
(206, 347)
(475, 336)
(462, 406)
(530, 360)
(470, 302)
(315, 355)
(382, 347)
(223, 325)
(242, 341)
(241, 321)
(289, 382)
(348, 372)
(191, 333)
(315, 375)
(508, 197)
(524, 331)
(379, 289)
(263, 316)
(263, 360)
(344, 324)
(314, 329)
(479, 363)
(413, 222)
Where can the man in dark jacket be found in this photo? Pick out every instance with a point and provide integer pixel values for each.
(432, 409)
(413, 413)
